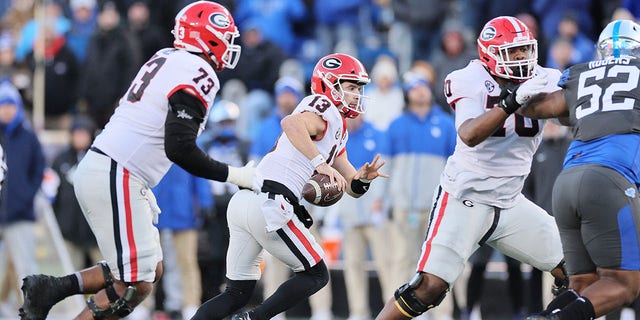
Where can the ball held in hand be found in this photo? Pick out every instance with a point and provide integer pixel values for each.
(320, 191)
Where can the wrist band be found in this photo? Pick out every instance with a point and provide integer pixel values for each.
(359, 186)
(317, 161)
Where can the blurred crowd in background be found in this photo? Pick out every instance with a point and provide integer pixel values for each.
(89, 50)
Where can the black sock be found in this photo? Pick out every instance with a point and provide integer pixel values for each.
(69, 285)
(579, 309)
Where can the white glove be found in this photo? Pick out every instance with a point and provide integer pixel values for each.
(530, 88)
(245, 177)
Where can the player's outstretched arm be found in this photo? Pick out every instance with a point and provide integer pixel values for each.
(546, 105)
(186, 113)
(359, 180)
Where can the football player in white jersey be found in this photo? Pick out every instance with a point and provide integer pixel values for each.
(479, 201)
(313, 139)
(156, 123)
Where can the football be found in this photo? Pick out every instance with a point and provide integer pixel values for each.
(320, 191)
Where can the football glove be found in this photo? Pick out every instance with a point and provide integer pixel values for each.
(245, 177)
(508, 101)
(530, 88)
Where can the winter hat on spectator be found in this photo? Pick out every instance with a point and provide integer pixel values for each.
(413, 79)
(384, 67)
(9, 94)
(289, 84)
(82, 122)
(76, 4)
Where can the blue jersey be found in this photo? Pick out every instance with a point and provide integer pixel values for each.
(620, 152)
(603, 98)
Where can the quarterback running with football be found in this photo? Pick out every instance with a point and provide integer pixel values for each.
(313, 139)
(479, 201)
(155, 124)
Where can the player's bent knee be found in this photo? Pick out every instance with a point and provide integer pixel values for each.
(320, 274)
(119, 305)
(240, 292)
(409, 304)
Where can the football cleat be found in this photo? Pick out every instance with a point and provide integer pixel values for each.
(40, 293)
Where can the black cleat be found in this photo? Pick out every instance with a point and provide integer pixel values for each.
(241, 316)
(40, 292)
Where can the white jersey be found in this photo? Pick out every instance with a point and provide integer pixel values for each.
(492, 172)
(134, 136)
(286, 165)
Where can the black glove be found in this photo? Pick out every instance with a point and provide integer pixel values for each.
(508, 101)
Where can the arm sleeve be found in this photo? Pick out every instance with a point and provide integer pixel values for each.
(185, 114)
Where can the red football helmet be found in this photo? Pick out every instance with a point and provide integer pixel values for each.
(327, 78)
(207, 27)
(496, 39)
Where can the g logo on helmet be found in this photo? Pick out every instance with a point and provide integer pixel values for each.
(488, 33)
(219, 20)
(332, 63)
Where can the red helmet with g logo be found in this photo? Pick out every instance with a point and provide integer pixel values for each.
(496, 39)
(327, 78)
(207, 27)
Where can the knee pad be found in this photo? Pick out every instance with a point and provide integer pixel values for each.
(409, 304)
(240, 292)
(106, 273)
(117, 305)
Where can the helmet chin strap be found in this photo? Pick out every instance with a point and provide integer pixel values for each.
(209, 53)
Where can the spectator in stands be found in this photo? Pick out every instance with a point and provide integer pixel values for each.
(260, 61)
(62, 73)
(419, 140)
(386, 99)
(583, 48)
(18, 73)
(149, 37)
(476, 12)
(416, 29)
(25, 164)
(54, 16)
(17, 16)
(84, 17)
(561, 54)
(274, 19)
(337, 21)
(79, 239)
(550, 12)
(454, 52)
(112, 60)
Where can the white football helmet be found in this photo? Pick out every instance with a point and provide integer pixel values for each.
(619, 38)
